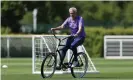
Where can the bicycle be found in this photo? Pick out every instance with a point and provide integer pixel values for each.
(50, 62)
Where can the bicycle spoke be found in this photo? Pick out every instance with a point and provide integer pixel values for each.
(80, 70)
(48, 66)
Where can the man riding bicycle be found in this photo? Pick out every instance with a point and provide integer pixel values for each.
(76, 25)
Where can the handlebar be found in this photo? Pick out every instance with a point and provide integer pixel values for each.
(54, 34)
(63, 38)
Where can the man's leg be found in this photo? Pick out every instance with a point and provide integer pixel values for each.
(63, 54)
(64, 50)
(77, 41)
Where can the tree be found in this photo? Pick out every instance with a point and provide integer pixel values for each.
(128, 13)
(11, 13)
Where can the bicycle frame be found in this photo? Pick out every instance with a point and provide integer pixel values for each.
(59, 44)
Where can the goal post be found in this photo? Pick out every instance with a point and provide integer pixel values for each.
(41, 46)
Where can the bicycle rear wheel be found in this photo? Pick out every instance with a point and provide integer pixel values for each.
(48, 66)
(80, 70)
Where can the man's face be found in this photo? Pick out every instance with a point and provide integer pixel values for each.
(72, 13)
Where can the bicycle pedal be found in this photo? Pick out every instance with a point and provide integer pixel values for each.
(58, 68)
(64, 69)
(65, 64)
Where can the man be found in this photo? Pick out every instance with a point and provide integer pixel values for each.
(76, 25)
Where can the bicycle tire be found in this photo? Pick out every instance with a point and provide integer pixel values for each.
(79, 74)
(45, 64)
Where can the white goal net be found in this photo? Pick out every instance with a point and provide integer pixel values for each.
(43, 44)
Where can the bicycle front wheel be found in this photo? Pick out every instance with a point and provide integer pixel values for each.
(48, 66)
(80, 70)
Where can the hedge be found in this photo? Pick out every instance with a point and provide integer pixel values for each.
(95, 38)
(93, 42)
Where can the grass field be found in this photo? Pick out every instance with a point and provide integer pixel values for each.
(21, 69)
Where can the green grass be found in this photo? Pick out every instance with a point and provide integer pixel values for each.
(21, 69)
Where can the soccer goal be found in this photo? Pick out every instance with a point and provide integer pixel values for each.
(41, 46)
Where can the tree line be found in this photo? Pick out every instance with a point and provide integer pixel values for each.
(15, 13)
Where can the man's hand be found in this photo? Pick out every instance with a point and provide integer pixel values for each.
(52, 29)
(75, 35)
(57, 28)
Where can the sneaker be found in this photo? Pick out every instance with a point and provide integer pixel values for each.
(75, 64)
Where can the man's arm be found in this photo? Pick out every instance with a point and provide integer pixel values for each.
(57, 28)
(79, 30)
(62, 26)
(80, 26)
